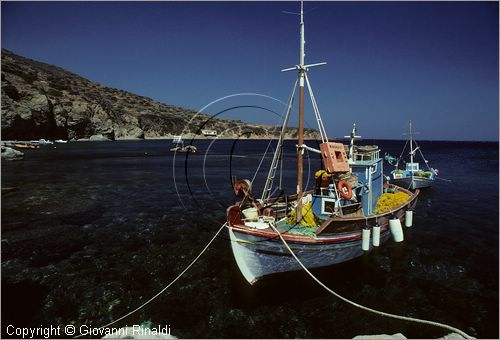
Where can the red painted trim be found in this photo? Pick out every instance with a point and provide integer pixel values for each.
(269, 233)
(299, 238)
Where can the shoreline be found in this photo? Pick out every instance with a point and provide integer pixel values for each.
(187, 138)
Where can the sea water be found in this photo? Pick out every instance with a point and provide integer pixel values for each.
(92, 230)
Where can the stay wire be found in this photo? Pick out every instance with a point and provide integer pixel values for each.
(401, 156)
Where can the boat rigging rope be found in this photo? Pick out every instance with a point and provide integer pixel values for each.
(400, 317)
(401, 156)
(427, 164)
(261, 161)
(168, 286)
(421, 154)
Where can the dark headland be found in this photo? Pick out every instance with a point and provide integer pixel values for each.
(45, 101)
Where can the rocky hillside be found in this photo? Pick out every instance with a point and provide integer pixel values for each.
(44, 101)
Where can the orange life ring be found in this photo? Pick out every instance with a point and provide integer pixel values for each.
(344, 189)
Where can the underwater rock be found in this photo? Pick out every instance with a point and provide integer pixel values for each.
(10, 154)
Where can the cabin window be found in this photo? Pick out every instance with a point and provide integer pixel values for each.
(412, 166)
(327, 206)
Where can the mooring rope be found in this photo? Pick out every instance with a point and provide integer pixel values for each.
(166, 287)
(395, 316)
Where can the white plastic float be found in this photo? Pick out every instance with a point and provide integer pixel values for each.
(365, 244)
(408, 218)
(376, 236)
(396, 229)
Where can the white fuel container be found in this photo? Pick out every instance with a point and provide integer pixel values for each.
(396, 229)
(365, 243)
(376, 236)
(408, 218)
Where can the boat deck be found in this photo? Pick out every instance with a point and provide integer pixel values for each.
(296, 229)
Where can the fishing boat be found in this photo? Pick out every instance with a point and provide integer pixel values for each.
(178, 145)
(328, 224)
(412, 176)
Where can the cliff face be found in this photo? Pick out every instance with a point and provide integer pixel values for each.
(45, 101)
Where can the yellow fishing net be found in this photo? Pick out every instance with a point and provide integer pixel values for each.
(322, 173)
(389, 201)
(308, 218)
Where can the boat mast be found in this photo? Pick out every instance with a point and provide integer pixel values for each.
(353, 137)
(411, 150)
(303, 79)
(301, 116)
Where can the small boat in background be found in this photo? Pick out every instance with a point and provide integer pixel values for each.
(412, 176)
(26, 145)
(184, 148)
(62, 141)
(41, 142)
(180, 147)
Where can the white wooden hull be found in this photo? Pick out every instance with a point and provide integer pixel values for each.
(412, 183)
(258, 257)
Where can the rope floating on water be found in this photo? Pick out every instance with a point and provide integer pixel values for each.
(395, 316)
(399, 317)
(166, 287)
(443, 179)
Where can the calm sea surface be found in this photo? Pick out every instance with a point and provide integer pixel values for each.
(92, 230)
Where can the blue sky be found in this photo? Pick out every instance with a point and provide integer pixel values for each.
(433, 62)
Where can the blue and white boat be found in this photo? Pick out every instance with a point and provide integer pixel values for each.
(347, 213)
(412, 176)
(41, 142)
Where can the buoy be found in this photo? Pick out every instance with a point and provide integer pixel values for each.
(396, 229)
(345, 190)
(376, 235)
(365, 244)
(408, 218)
